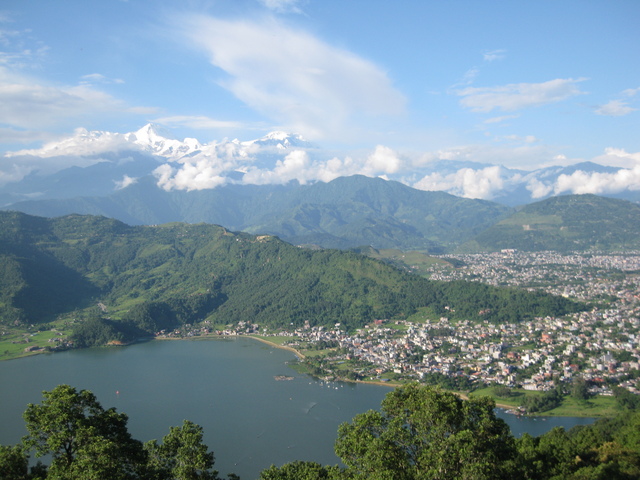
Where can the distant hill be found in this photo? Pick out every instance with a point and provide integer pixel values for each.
(345, 213)
(153, 278)
(565, 223)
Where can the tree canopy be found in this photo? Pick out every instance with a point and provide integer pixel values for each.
(427, 433)
(419, 433)
(87, 442)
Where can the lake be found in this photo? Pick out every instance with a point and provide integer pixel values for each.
(227, 386)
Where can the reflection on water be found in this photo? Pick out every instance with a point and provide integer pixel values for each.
(227, 386)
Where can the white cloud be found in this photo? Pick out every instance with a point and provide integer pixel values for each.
(199, 122)
(200, 174)
(125, 182)
(30, 103)
(618, 157)
(295, 166)
(631, 92)
(615, 108)
(294, 78)
(81, 143)
(517, 96)
(99, 78)
(282, 6)
(493, 55)
(466, 182)
(382, 161)
(599, 183)
(539, 189)
(501, 119)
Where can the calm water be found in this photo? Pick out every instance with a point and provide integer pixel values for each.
(227, 386)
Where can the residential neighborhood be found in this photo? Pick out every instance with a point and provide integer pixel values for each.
(599, 345)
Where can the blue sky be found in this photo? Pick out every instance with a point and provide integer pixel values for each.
(518, 83)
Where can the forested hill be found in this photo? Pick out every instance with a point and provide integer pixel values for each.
(344, 213)
(155, 277)
(566, 223)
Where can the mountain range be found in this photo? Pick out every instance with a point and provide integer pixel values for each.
(283, 185)
(150, 278)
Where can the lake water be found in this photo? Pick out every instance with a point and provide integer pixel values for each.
(227, 386)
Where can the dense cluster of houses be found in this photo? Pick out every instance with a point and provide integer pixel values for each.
(600, 345)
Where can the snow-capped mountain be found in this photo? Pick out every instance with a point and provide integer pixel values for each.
(97, 163)
(281, 140)
(158, 141)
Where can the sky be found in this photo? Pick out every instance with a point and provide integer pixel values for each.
(524, 84)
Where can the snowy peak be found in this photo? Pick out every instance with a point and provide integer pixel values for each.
(152, 132)
(281, 140)
(158, 141)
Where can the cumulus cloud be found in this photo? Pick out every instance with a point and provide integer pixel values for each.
(214, 168)
(615, 108)
(200, 174)
(466, 182)
(125, 182)
(293, 77)
(598, 183)
(517, 96)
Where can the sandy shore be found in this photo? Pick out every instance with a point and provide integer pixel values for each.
(284, 347)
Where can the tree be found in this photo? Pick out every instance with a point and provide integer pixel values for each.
(300, 470)
(579, 389)
(425, 433)
(182, 455)
(84, 440)
(14, 463)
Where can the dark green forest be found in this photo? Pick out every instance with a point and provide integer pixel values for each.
(419, 433)
(153, 278)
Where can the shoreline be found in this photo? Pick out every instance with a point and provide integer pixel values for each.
(367, 382)
(300, 356)
(273, 344)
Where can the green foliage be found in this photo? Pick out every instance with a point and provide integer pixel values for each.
(87, 442)
(608, 449)
(567, 223)
(14, 463)
(83, 439)
(626, 399)
(344, 213)
(419, 433)
(182, 455)
(579, 389)
(542, 403)
(422, 432)
(159, 278)
(300, 470)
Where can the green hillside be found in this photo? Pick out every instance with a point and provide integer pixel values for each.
(157, 277)
(565, 223)
(344, 213)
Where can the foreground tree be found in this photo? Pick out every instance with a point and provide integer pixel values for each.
(300, 470)
(83, 439)
(426, 433)
(182, 455)
(87, 442)
(14, 463)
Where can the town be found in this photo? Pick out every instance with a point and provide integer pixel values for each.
(599, 346)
